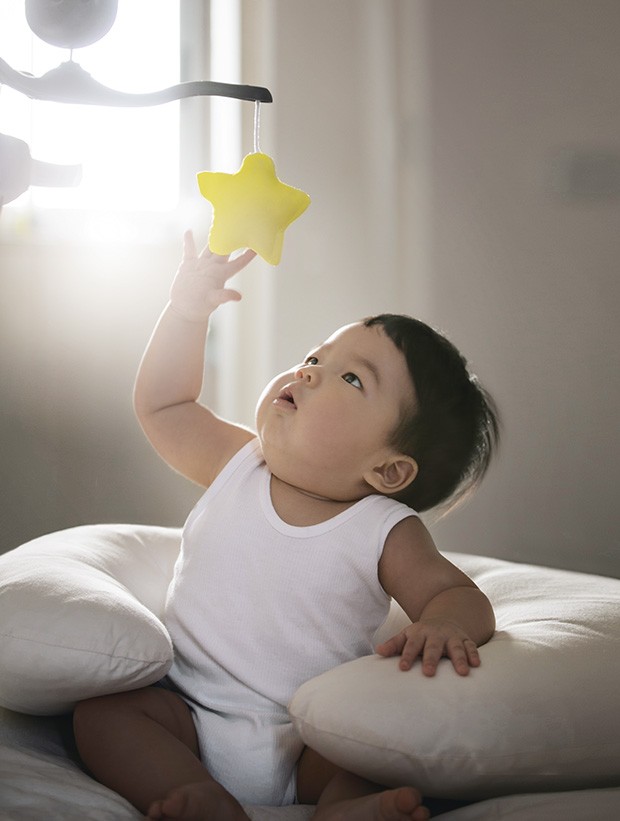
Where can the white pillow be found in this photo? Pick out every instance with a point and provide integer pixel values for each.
(79, 615)
(541, 713)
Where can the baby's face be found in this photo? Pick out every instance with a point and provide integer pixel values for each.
(323, 423)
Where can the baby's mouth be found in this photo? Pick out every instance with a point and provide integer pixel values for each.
(287, 396)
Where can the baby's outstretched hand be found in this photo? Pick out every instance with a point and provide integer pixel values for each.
(199, 285)
(431, 640)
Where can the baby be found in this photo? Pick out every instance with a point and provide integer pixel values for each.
(288, 563)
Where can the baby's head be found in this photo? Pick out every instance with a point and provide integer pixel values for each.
(452, 428)
(385, 405)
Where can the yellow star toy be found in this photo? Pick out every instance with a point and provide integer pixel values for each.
(252, 208)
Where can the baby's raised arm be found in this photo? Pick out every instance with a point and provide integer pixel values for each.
(189, 436)
(450, 615)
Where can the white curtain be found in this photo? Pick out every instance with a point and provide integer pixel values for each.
(347, 125)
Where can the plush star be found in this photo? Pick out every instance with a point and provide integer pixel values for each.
(252, 208)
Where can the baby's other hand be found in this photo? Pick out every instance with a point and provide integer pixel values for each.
(432, 639)
(198, 287)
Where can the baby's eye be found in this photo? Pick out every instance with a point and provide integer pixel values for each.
(311, 360)
(352, 379)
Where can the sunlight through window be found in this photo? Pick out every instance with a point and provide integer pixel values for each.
(129, 156)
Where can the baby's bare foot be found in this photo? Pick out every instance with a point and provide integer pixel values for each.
(403, 804)
(203, 801)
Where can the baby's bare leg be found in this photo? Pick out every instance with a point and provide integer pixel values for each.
(340, 795)
(143, 745)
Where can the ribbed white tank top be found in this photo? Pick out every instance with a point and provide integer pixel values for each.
(257, 606)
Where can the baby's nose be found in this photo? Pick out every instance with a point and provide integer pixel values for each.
(306, 373)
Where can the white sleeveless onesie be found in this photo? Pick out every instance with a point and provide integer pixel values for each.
(257, 607)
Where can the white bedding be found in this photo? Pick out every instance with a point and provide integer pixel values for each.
(80, 615)
(40, 781)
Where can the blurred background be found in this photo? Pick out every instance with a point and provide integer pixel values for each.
(463, 159)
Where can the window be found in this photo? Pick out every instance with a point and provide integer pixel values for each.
(130, 156)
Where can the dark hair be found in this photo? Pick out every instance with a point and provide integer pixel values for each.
(452, 429)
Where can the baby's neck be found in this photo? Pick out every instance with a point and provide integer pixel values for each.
(301, 508)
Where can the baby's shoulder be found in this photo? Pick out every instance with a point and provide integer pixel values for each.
(410, 533)
(408, 546)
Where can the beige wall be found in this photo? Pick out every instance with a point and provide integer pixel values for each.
(73, 324)
(430, 158)
(526, 278)
(425, 132)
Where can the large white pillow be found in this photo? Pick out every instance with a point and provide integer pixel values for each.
(79, 615)
(541, 713)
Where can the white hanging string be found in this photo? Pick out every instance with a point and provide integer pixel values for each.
(256, 126)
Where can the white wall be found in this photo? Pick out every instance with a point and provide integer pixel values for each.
(348, 125)
(424, 132)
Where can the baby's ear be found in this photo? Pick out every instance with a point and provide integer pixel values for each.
(393, 475)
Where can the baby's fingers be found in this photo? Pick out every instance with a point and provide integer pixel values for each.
(234, 265)
(463, 655)
(189, 246)
(407, 647)
(392, 647)
(224, 295)
(222, 267)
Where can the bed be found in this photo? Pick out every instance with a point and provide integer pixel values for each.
(534, 733)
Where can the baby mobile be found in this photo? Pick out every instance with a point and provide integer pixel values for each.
(251, 208)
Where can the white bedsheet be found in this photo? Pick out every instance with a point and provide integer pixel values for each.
(39, 781)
